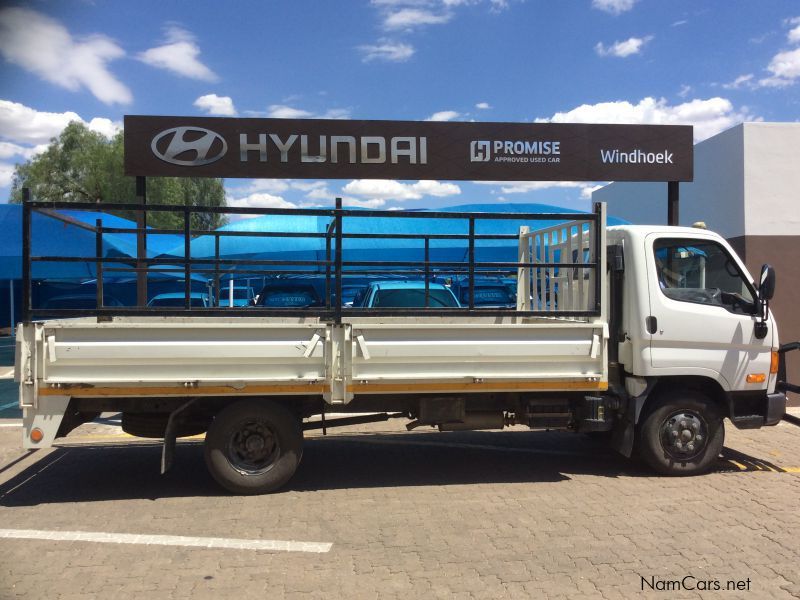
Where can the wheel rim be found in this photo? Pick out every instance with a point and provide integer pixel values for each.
(684, 435)
(253, 447)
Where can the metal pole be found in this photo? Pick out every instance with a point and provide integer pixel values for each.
(141, 242)
(11, 303)
(187, 255)
(26, 255)
(672, 203)
(338, 307)
(217, 291)
(331, 225)
(471, 263)
(427, 271)
(98, 251)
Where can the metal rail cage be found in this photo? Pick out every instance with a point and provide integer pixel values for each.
(557, 266)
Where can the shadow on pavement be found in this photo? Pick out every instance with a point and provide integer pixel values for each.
(103, 472)
(739, 461)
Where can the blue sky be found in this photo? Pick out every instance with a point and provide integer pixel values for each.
(710, 64)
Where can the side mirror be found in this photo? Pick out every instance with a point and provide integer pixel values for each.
(766, 285)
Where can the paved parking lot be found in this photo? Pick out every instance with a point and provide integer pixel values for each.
(513, 514)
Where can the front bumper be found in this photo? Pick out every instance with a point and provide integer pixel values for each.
(776, 408)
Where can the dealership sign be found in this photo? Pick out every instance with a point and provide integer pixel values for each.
(338, 149)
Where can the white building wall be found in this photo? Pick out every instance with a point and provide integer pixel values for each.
(771, 178)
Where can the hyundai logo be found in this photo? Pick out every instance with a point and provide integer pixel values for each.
(197, 143)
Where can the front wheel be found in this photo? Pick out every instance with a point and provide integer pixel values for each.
(683, 435)
(253, 447)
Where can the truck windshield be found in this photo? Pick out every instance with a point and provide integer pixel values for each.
(702, 272)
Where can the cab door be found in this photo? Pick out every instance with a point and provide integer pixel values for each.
(703, 312)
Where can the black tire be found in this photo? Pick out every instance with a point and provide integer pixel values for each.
(683, 434)
(253, 447)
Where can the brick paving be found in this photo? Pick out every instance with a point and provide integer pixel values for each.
(513, 514)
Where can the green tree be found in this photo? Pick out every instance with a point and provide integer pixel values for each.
(81, 165)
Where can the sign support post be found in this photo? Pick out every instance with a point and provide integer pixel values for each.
(673, 207)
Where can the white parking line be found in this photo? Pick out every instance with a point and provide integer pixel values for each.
(165, 540)
(9, 405)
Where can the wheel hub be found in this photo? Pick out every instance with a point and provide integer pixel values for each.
(683, 435)
(253, 448)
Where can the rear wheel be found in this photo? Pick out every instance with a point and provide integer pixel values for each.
(253, 447)
(683, 435)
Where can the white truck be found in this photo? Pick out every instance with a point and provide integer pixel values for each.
(653, 334)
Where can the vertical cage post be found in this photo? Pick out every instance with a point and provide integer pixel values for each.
(328, 233)
(599, 221)
(141, 242)
(217, 291)
(339, 237)
(98, 253)
(187, 255)
(26, 255)
(427, 271)
(471, 263)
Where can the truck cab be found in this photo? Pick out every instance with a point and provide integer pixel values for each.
(692, 321)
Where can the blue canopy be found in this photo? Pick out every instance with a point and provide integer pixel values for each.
(366, 249)
(67, 233)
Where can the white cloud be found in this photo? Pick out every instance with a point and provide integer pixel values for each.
(483, 106)
(24, 125)
(614, 7)
(336, 113)
(444, 115)
(739, 82)
(255, 186)
(390, 189)
(6, 174)
(428, 187)
(375, 203)
(525, 187)
(105, 127)
(708, 117)
(179, 54)
(588, 190)
(216, 105)
(387, 51)
(623, 49)
(784, 68)
(794, 33)
(282, 111)
(43, 46)
(408, 18)
(9, 150)
(260, 201)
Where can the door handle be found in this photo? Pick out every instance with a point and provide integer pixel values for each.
(651, 324)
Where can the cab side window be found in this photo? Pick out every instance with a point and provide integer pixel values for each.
(702, 272)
